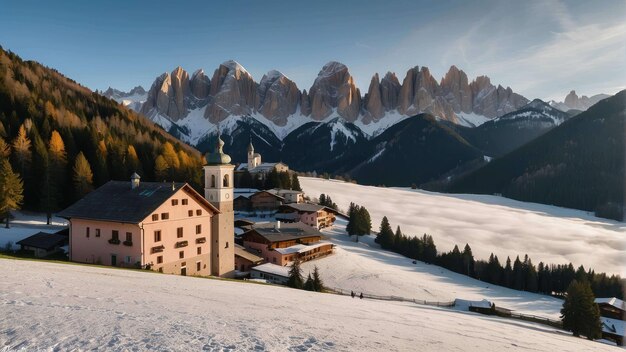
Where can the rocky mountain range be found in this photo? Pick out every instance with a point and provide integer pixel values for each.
(574, 102)
(177, 98)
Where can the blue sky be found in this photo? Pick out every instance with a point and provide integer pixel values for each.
(539, 48)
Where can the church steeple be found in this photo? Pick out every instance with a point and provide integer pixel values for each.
(218, 190)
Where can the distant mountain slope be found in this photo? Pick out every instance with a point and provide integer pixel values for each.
(414, 151)
(573, 101)
(510, 131)
(579, 164)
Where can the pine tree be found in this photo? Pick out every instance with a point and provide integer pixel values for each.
(397, 240)
(318, 285)
(580, 314)
(385, 234)
(518, 275)
(352, 218)
(161, 169)
(364, 222)
(430, 250)
(295, 183)
(82, 177)
(21, 151)
(11, 189)
(5, 151)
(308, 284)
(468, 261)
(295, 275)
(507, 274)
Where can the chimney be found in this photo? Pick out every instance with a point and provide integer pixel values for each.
(277, 225)
(134, 181)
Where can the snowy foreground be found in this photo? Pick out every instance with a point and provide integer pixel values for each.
(489, 224)
(71, 307)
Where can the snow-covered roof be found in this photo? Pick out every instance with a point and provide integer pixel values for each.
(273, 269)
(300, 248)
(244, 192)
(464, 304)
(613, 326)
(613, 301)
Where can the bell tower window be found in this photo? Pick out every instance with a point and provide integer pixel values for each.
(212, 181)
(225, 183)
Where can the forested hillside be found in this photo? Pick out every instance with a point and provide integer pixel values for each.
(64, 140)
(579, 164)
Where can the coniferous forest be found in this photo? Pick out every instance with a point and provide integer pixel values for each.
(519, 274)
(64, 140)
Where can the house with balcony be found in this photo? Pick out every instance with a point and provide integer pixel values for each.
(613, 319)
(281, 244)
(314, 215)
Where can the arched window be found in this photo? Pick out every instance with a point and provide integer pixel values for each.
(226, 181)
(212, 181)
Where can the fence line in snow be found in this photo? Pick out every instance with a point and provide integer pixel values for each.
(343, 292)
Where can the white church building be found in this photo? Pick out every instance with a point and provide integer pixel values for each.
(256, 167)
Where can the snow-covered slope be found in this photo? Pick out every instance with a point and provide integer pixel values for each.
(364, 267)
(489, 224)
(48, 306)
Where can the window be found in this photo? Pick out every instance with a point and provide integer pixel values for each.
(97, 232)
(87, 232)
(190, 212)
(225, 183)
(199, 250)
(181, 254)
(174, 201)
(212, 181)
(129, 236)
(165, 216)
(198, 266)
(226, 245)
(129, 259)
(157, 236)
(115, 235)
(198, 229)
(198, 212)
(155, 217)
(185, 201)
(179, 232)
(160, 259)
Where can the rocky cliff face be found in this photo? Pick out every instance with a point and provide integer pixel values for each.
(278, 97)
(574, 102)
(334, 89)
(232, 91)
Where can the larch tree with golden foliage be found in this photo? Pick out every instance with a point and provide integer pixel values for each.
(54, 177)
(21, 150)
(161, 169)
(11, 190)
(82, 177)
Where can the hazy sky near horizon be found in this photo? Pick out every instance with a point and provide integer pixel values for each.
(541, 49)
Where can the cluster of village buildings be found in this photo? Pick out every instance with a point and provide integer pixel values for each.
(171, 228)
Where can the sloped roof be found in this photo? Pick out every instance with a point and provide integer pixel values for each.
(116, 201)
(286, 232)
(306, 207)
(613, 301)
(272, 269)
(242, 252)
(44, 240)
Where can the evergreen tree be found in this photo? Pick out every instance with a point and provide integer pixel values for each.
(5, 151)
(385, 234)
(161, 169)
(397, 240)
(246, 180)
(518, 275)
(308, 284)
(21, 151)
(352, 218)
(82, 177)
(468, 261)
(54, 178)
(318, 285)
(295, 275)
(295, 183)
(507, 274)
(532, 284)
(11, 189)
(580, 314)
(322, 199)
(430, 250)
(364, 222)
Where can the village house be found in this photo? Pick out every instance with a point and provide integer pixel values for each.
(613, 319)
(248, 200)
(256, 167)
(43, 244)
(265, 202)
(317, 216)
(281, 244)
(271, 273)
(289, 196)
(245, 260)
(168, 227)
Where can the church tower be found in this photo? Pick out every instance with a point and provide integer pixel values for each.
(251, 156)
(218, 190)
